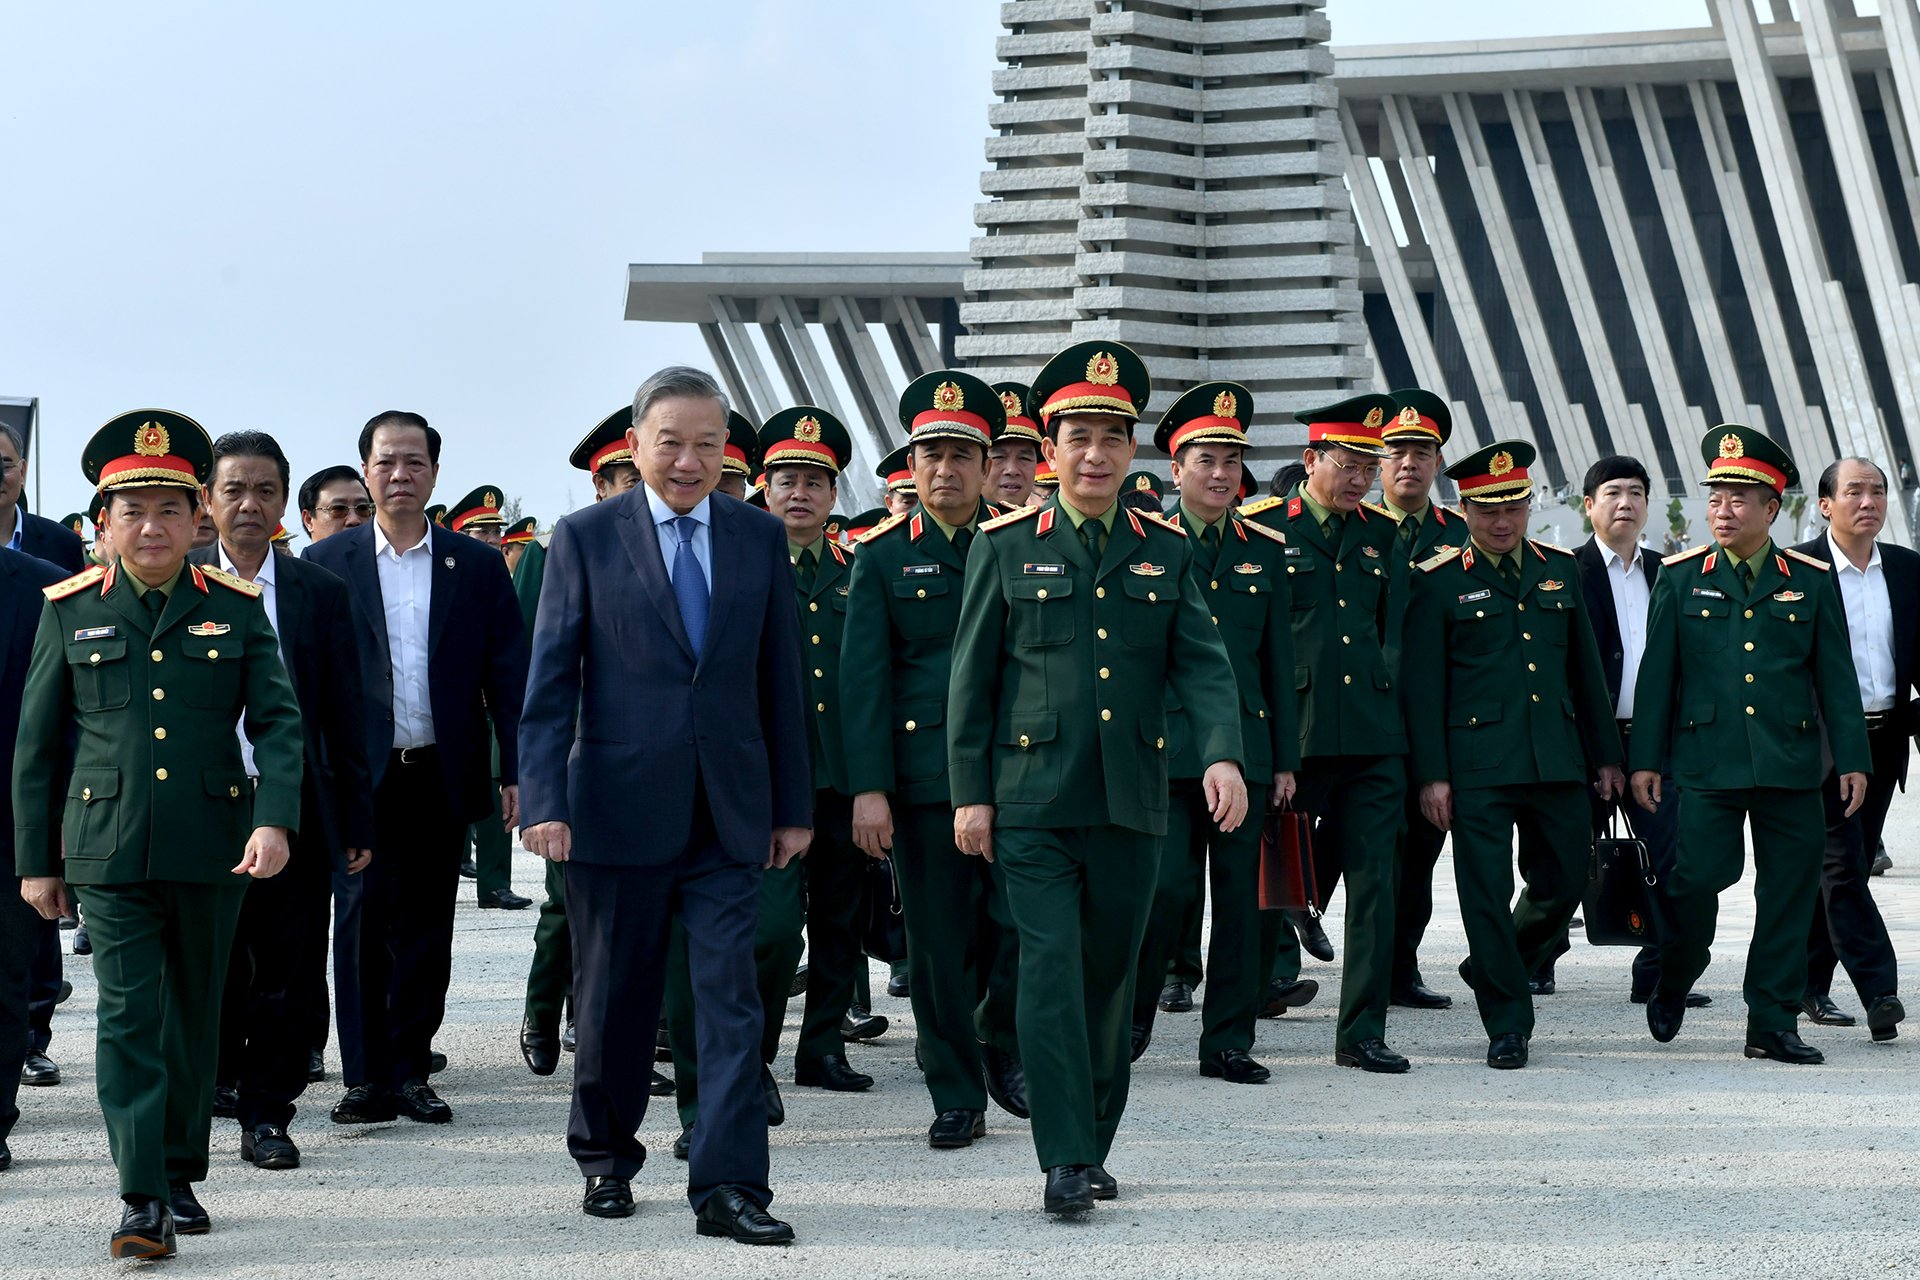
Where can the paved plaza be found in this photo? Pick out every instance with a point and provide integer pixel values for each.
(1610, 1155)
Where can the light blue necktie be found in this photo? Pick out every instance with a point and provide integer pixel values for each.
(689, 584)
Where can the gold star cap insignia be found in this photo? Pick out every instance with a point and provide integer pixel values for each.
(1103, 370)
(1730, 446)
(1501, 464)
(151, 440)
(1226, 405)
(1374, 418)
(948, 398)
(807, 430)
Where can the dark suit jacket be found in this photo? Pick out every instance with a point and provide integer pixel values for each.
(476, 659)
(49, 540)
(1902, 569)
(314, 616)
(622, 716)
(21, 578)
(1606, 623)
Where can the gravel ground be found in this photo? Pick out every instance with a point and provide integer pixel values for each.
(1610, 1154)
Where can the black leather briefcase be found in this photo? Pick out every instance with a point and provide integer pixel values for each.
(1625, 905)
(883, 931)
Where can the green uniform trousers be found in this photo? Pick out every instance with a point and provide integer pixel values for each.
(1186, 965)
(1789, 841)
(1192, 854)
(1279, 947)
(1553, 819)
(1356, 803)
(961, 954)
(776, 955)
(835, 871)
(492, 846)
(550, 976)
(1080, 898)
(160, 951)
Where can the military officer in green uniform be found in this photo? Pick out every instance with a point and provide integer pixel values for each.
(1415, 438)
(437, 513)
(1014, 456)
(1507, 719)
(1345, 573)
(1077, 617)
(895, 665)
(740, 460)
(140, 671)
(1144, 492)
(896, 474)
(1239, 569)
(1747, 656)
(515, 539)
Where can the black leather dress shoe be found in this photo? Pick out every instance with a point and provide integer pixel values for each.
(1883, 1017)
(1695, 999)
(189, 1219)
(1006, 1079)
(364, 1104)
(1881, 862)
(1142, 1037)
(82, 944)
(436, 1063)
(730, 1212)
(1508, 1052)
(1235, 1066)
(770, 1094)
(1541, 984)
(226, 1101)
(1069, 1191)
(570, 1041)
(467, 870)
(1418, 995)
(6, 1156)
(417, 1101)
(316, 1067)
(1783, 1046)
(64, 994)
(540, 1047)
(1102, 1182)
(1371, 1055)
(1282, 996)
(1176, 997)
(607, 1198)
(954, 1129)
(861, 1025)
(1313, 937)
(1824, 1011)
(267, 1146)
(832, 1072)
(897, 986)
(683, 1145)
(1664, 1016)
(146, 1231)
(660, 1086)
(504, 900)
(39, 1069)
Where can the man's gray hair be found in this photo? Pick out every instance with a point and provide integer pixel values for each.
(12, 433)
(677, 382)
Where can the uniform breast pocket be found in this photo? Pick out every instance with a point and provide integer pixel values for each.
(1042, 610)
(102, 679)
(1247, 605)
(1792, 627)
(1149, 609)
(1302, 575)
(1703, 624)
(1479, 626)
(925, 608)
(1553, 612)
(91, 827)
(210, 674)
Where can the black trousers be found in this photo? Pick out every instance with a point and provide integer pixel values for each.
(406, 929)
(43, 985)
(621, 917)
(1848, 930)
(349, 902)
(279, 956)
(835, 870)
(19, 939)
(1417, 853)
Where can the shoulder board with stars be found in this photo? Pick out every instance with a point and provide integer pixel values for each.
(1013, 517)
(1377, 509)
(1265, 504)
(890, 523)
(1803, 558)
(1688, 554)
(1254, 526)
(1443, 556)
(1548, 546)
(1170, 525)
(230, 582)
(78, 582)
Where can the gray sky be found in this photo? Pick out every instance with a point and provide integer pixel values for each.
(289, 217)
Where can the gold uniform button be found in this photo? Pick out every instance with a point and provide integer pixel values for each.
(1479, 613)
(1749, 677)
(1707, 613)
(1024, 741)
(161, 774)
(816, 639)
(818, 674)
(1151, 597)
(1213, 586)
(212, 654)
(1214, 618)
(1041, 594)
(1521, 607)
(1346, 679)
(819, 706)
(86, 793)
(159, 695)
(1792, 617)
(1747, 614)
(1159, 744)
(1253, 591)
(1536, 697)
(156, 655)
(94, 658)
(1749, 710)
(234, 792)
(1101, 632)
(1343, 604)
(921, 593)
(1473, 720)
(1104, 673)
(1289, 568)
(1099, 593)
(1749, 646)
(1261, 714)
(1531, 667)
(1346, 639)
(160, 735)
(813, 606)
(1105, 714)
(1526, 635)
(912, 725)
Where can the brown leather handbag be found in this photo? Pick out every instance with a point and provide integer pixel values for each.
(1287, 882)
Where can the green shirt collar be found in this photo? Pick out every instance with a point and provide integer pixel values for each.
(140, 588)
(950, 529)
(1077, 518)
(1198, 525)
(1757, 559)
(1499, 559)
(794, 551)
(1415, 516)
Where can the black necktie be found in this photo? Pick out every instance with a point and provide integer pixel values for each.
(1744, 571)
(1510, 570)
(806, 567)
(1210, 540)
(1335, 521)
(962, 539)
(156, 602)
(1091, 531)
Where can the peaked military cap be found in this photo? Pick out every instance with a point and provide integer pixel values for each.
(606, 444)
(1495, 474)
(949, 404)
(807, 436)
(482, 506)
(857, 525)
(742, 454)
(280, 534)
(1213, 412)
(1093, 377)
(1016, 398)
(896, 469)
(145, 448)
(1742, 455)
(1421, 415)
(76, 522)
(436, 514)
(1044, 476)
(97, 509)
(519, 532)
(1144, 482)
(1354, 423)
(1249, 483)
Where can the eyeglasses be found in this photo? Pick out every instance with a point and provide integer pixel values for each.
(341, 510)
(1371, 470)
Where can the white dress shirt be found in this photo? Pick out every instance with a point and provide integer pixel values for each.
(670, 536)
(1632, 598)
(1869, 624)
(270, 602)
(406, 592)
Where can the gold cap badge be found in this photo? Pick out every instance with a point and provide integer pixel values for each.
(1409, 417)
(1144, 483)
(1730, 446)
(807, 430)
(1012, 403)
(948, 398)
(1374, 418)
(1501, 464)
(1226, 405)
(151, 440)
(490, 500)
(1102, 370)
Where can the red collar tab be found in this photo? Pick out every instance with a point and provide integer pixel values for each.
(916, 526)
(1046, 521)
(1294, 507)
(1782, 562)
(1466, 558)
(199, 579)
(1239, 528)
(1706, 566)
(1134, 520)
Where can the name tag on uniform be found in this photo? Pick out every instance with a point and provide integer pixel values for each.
(1788, 597)
(1710, 593)
(1246, 568)
(918, 570)
(208, 629)
(1146, 570)
(1052, 570)
(96, 633)
(1290, 550)
(1471, 596)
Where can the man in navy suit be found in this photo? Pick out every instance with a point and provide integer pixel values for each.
(665, 763)
(441, 646)
(21, 928)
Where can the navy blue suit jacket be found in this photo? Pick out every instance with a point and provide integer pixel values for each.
(622, 716)
(49, 540)
(21, 578)
(476, 658)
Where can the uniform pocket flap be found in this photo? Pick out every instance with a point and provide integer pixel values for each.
(1302, 677)
(228, 784)
(1700, 713)
(91, 653)
(1030, 729)
(915, 716)
(1046, 587)
(1151, 590)
(920, 588)
(1474, 714)
(210, 648)
(93, 784)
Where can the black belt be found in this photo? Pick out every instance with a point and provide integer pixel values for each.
(1879, 719)
(414, 756)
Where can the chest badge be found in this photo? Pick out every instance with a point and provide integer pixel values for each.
(208, 629)
(448, 562)
(96, 633)
(1552, 584)
(1788, 597)
(1246, 568)
(1371, 553)
(1146, 570)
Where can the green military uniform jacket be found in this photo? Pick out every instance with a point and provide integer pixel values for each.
(823, 620)
(1504, 686)
(1735, 682)
(1244, 583)
(1343, 596)
(146, 715)
(897, 656)
(1056, 710)
(1434, 531)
